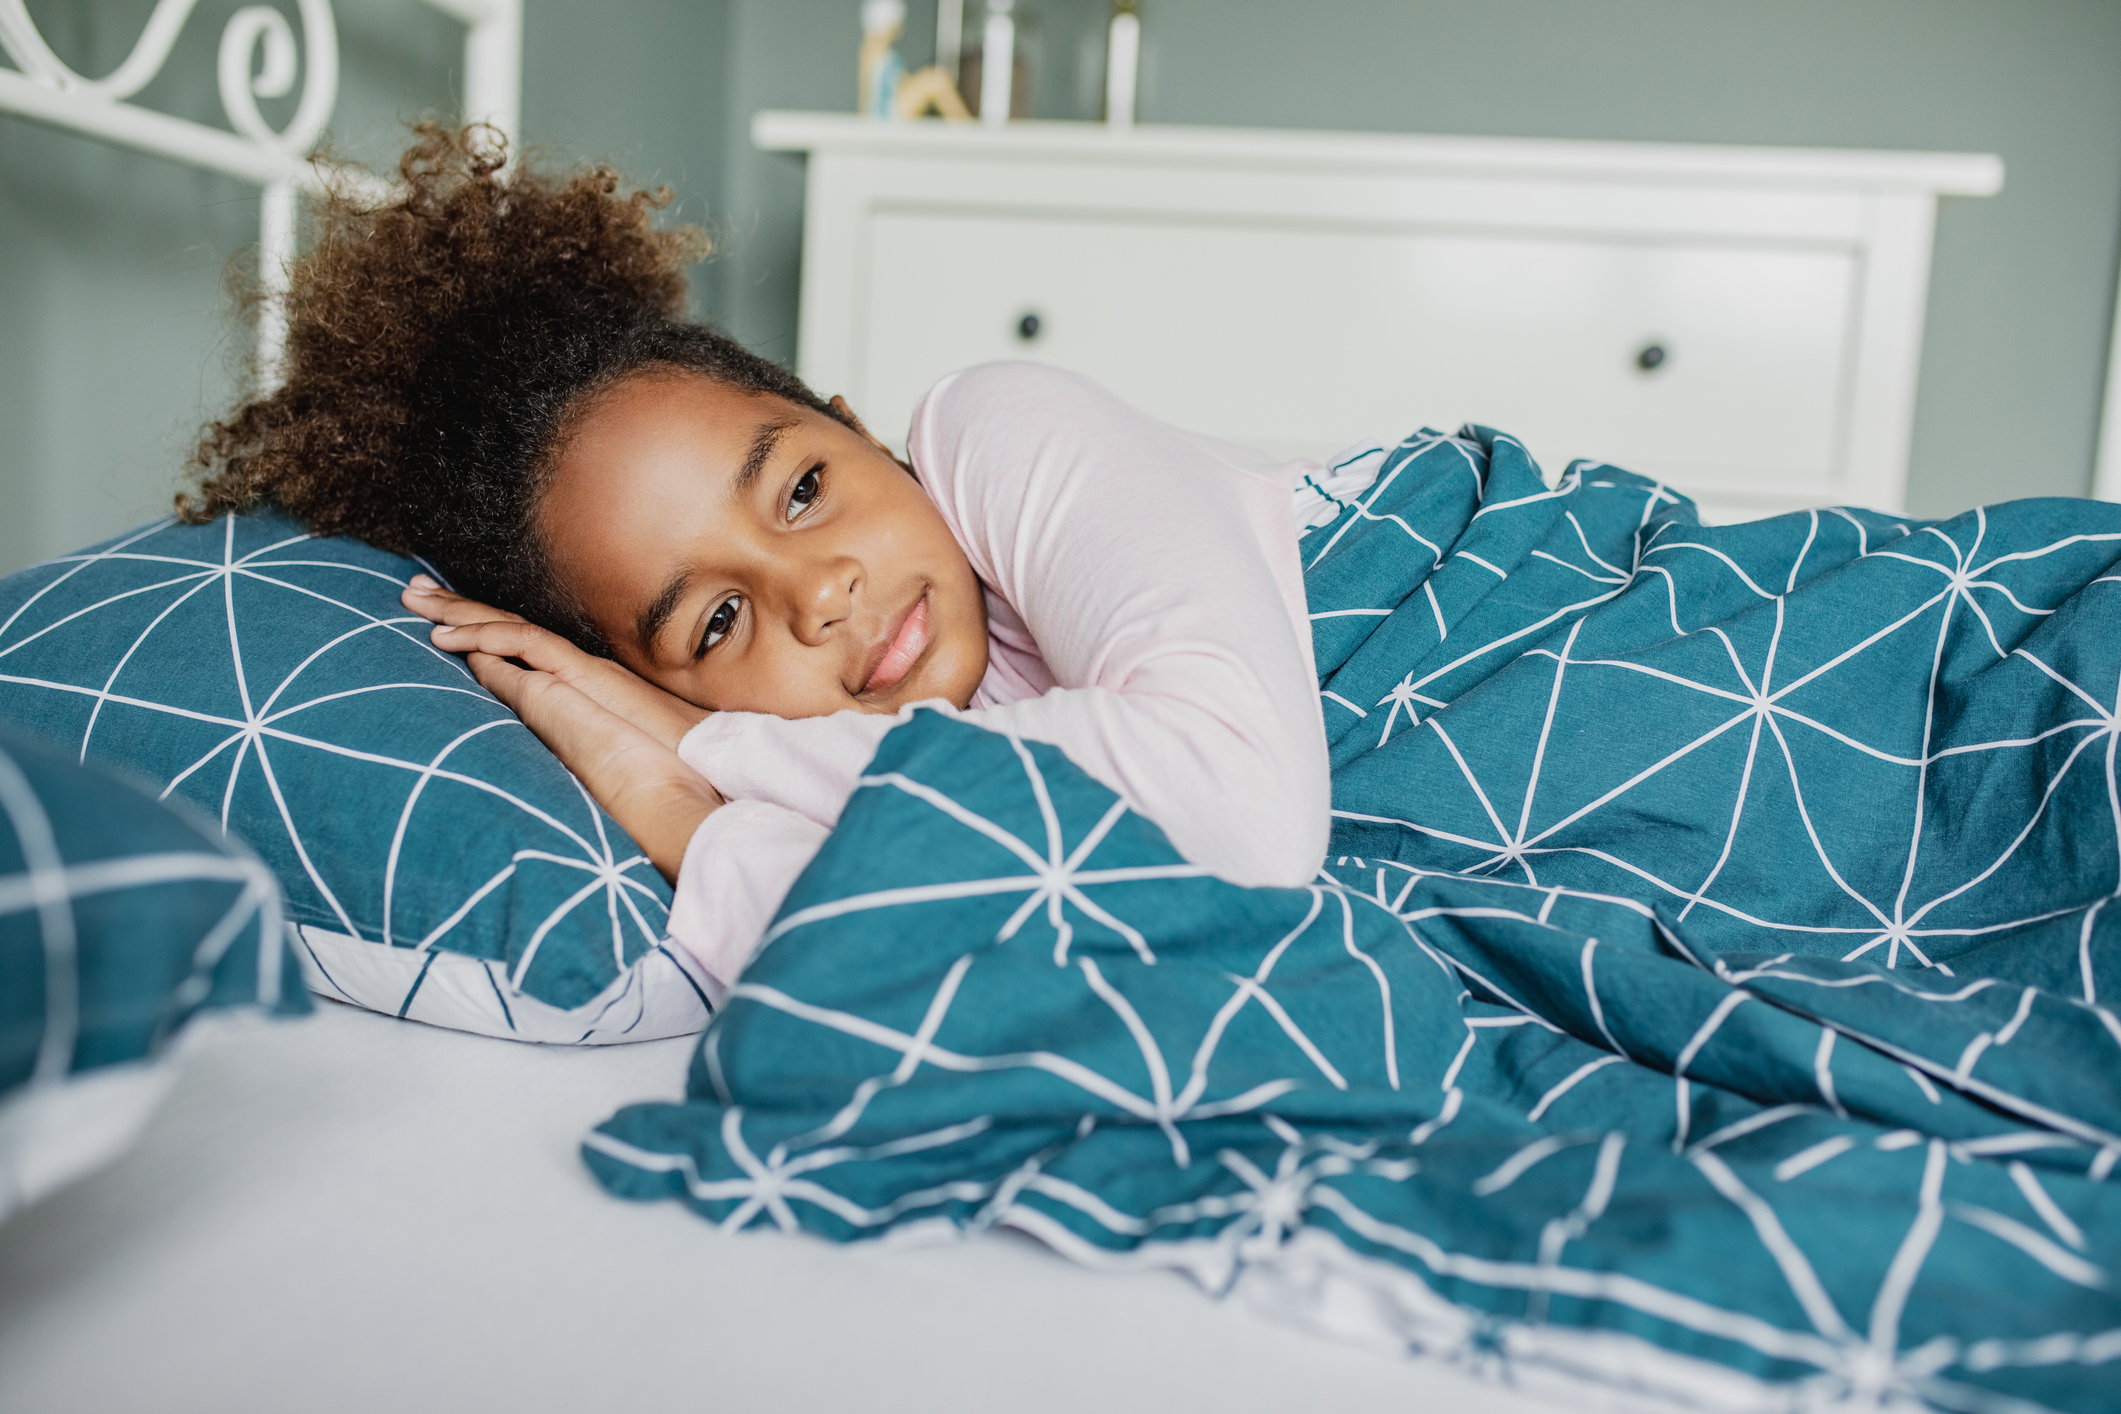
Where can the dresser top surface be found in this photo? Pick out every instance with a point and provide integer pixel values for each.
(1944, 173)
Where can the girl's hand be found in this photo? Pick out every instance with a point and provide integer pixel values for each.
(616, 733)
(655, 796)
(468, 626)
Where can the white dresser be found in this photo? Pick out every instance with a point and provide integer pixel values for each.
(1744, 323)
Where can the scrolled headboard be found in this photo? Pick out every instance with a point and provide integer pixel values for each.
(258, 59)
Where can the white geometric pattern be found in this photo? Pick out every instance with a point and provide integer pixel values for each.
(1265, 1023)
(828, 1168)
(1530, 821)
(1565, 1072)
(440, 862)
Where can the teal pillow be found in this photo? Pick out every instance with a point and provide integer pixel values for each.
(438, 862)
(120, 921)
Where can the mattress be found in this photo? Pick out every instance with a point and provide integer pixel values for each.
(354, 1213)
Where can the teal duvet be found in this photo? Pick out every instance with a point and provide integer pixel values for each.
(1706, 1003)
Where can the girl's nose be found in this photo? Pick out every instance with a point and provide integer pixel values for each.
(822, 597)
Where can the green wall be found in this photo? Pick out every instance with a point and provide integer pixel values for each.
(115, 344)
(641, 85)
(114, 347)
(115, 341)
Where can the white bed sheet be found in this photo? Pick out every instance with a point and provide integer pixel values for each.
(356, 1213)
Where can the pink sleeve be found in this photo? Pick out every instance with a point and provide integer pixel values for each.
(739, 866)
(1129, 552)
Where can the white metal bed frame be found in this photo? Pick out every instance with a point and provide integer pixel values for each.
(257, 60)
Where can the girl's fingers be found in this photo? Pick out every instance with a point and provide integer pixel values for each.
(572, 724)
(662, 716)
(438, 605)
(508, 638)
(500, 677)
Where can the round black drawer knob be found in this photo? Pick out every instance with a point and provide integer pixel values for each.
(1651, 358)
(1027, 327)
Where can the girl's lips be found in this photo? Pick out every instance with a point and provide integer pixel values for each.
(902, 652)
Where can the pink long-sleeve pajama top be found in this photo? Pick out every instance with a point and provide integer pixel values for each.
(1145, 612)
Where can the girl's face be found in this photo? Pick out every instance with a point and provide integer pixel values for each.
(752, 555)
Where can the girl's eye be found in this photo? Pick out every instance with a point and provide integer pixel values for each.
(719, 623)
(804, 496)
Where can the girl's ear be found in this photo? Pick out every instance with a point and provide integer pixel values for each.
(839, 405)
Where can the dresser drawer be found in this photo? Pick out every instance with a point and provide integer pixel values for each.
(1303, 337)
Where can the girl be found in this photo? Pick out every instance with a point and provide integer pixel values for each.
(711, 592)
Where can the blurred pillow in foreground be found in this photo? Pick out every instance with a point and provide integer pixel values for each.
(121, 920)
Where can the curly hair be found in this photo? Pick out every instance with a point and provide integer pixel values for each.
(438, 349)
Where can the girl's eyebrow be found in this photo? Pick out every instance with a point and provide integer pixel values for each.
(651, 621)
(649, 625)
(761, 451)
